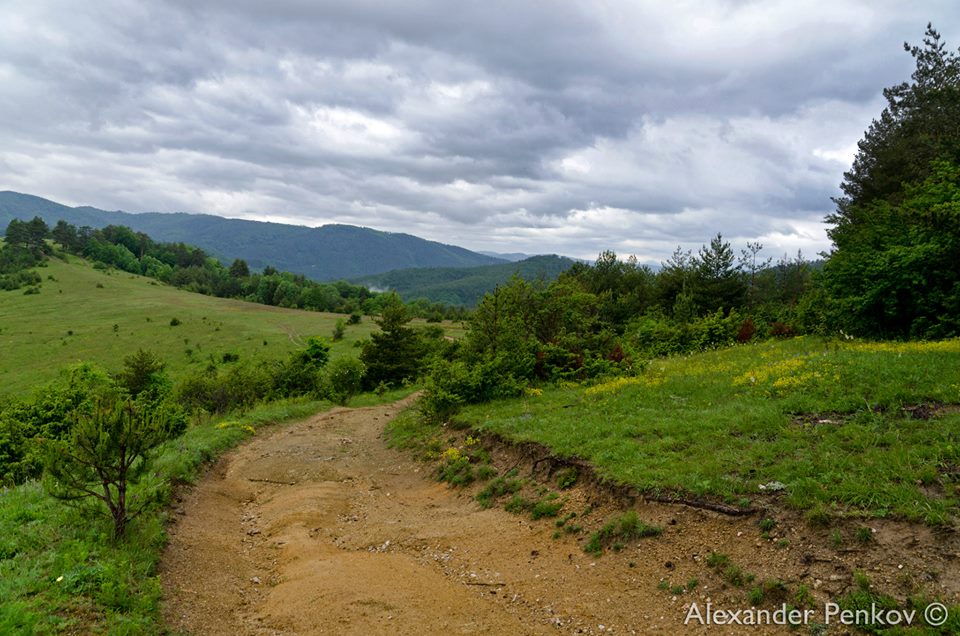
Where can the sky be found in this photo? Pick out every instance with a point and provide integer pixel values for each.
(568, 126)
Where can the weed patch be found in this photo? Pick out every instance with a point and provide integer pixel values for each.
(627, 527)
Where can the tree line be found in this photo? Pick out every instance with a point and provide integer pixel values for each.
(187, 267)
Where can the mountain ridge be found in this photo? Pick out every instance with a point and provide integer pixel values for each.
(324, 253)
(464, 286)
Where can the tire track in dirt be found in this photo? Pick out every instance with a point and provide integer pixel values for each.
(318, 528)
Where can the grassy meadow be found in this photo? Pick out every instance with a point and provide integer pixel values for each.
(847, 427)
(93, 315)
(59, 570)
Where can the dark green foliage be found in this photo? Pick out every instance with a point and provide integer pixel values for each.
(450, 385)
(896, 275)
(29, 235)
(24, 248)
(895, 231)
(343, 379)
(105, 453)
(654, 336)
(239, 269)
(339, 330)
(218, 390)
(393, 354)
(464, 286)
(300, 374)
(142, 372)
(718, 284)
(46, 414)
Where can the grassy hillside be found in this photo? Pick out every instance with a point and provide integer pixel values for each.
(330, 252)
(464, 285)
(846, 427)
(85, 314)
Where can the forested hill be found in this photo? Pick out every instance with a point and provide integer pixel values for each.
(330, 252)
(464, 286)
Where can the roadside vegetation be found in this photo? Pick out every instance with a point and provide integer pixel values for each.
(834, 427)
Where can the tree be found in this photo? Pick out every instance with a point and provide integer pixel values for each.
(104, 455)
(918, 125)
(717, 282)
(675, 277)
(750, 265)
(239, 269)
(66, 235)
(900, 278)
(894, 230)
(142, 371)
(394, 353)
(30, 235)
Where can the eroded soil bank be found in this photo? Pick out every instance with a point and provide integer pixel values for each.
(319, 528)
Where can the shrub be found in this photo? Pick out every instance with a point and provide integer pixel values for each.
(106, 452)
(627, 527)
(300, 373)
(217, 391)
(174, 322)
(142, 371)
(343, 379)
(455, 468)
(339, 330)
(546, 508)
(497, 488)
(567, 477)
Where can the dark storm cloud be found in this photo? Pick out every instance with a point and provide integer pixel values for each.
(566, 126)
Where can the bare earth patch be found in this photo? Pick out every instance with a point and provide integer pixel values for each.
(319, 528)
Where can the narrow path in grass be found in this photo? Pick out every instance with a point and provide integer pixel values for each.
(319, 528)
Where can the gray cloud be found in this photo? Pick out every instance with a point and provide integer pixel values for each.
(568, 127)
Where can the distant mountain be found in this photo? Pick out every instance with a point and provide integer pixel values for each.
(464, 285)
(330, 252)
(513, 257)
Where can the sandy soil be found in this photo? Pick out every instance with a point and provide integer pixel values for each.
(318, 528)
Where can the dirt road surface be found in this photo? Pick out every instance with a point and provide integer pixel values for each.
(318, 528)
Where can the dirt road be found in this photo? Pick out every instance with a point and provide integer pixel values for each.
(319, 528)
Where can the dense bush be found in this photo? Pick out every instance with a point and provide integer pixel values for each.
(343, 379)
(218, 390)
(46, 414)
(300, 374)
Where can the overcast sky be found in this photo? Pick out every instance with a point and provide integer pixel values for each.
(561, 126)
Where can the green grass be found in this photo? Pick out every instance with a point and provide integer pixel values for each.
(91, 315)
(627, 527)
(826, 419)
(106, 587)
